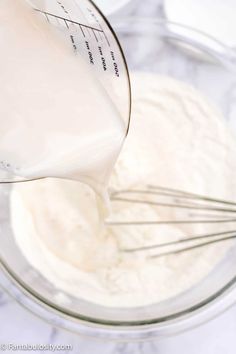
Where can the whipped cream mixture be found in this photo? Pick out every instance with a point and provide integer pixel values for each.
(57, 120)
(177, 139)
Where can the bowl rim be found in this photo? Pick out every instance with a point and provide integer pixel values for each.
(193, 317)
(42, 310)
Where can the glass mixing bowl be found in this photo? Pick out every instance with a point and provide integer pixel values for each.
(188, 55)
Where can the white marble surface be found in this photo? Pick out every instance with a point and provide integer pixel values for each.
(17, 325)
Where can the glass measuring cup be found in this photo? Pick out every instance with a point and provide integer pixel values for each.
(90, 37)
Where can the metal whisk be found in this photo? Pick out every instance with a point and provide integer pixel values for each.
(200, 210)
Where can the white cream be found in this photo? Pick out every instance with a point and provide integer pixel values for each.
(177, 139)
(56, 118)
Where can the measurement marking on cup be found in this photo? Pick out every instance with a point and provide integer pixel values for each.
(106, 38)
(82, 30)
(48, 14)
(95, 35)
(47, 17)
(81, 25)
(101, 30)
(66, 24)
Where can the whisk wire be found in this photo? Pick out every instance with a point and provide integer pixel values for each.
(201, 210)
